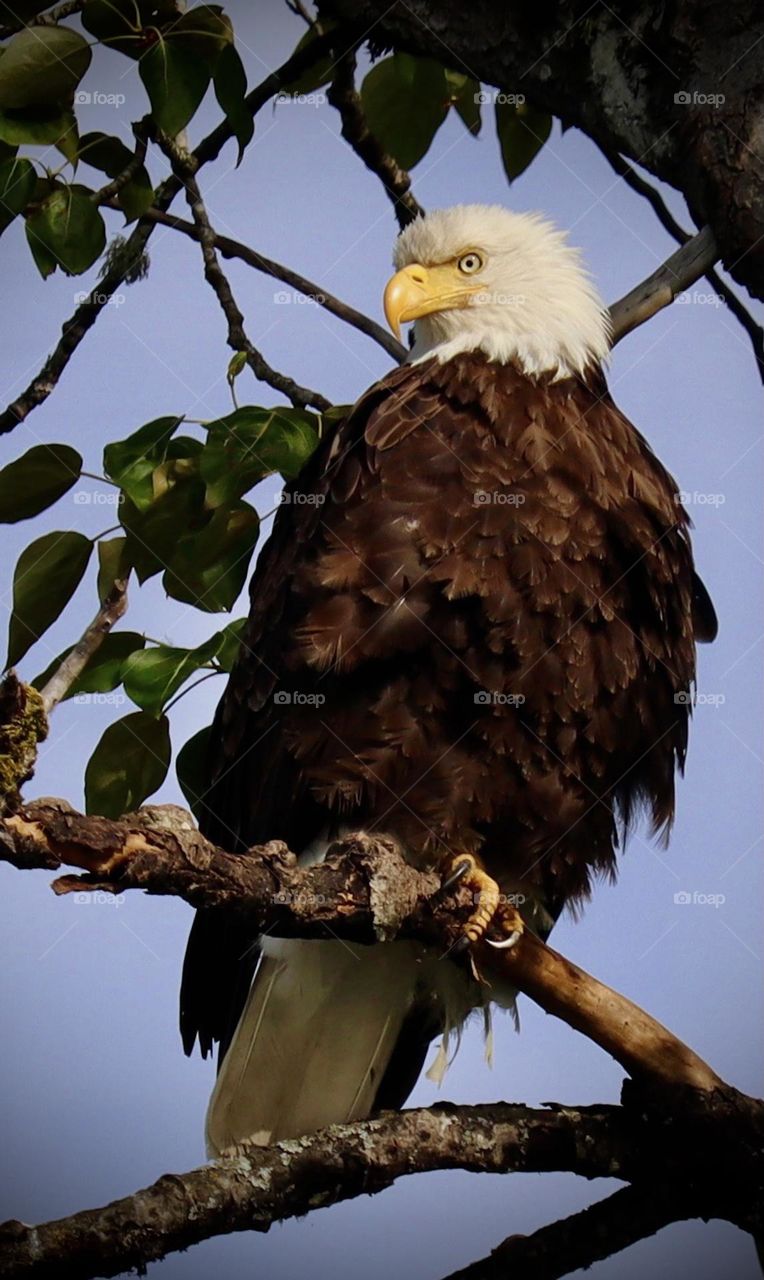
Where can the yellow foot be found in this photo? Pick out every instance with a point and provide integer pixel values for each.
(489, 909)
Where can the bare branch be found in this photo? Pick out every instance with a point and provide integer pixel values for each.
(301, 397)
(366, 891)
(344, 96)
(113, 188)
(43, 19)
(230, 248)
(574, 1243)
(260, 1185)
(111, 610)
(675, 275)
(86, 314)
(669, 223)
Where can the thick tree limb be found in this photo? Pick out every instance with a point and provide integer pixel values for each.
(86, 314)
(230, 248)
(301, 397)
(573, 1243)
(678, 89)
(365, 891)
(261, 1185)
(344, 96)
(111, 610)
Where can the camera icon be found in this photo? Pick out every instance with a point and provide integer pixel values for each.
(282, 296)
(683, 98)
(482, 98)
(82, 98)
(480, 498)
(482, 699)
(682, 898)
(682, 698)
(282, 698)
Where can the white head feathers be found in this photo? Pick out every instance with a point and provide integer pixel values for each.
(538, 306)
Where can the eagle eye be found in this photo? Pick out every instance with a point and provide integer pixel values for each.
(470, 262)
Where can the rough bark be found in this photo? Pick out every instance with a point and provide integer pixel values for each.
(615, 71)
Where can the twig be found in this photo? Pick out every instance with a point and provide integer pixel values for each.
(574, 1243)
(112, 189)
(669, 223)
(235, 249)
(300, 11)
(301, 397)
(85, 316)
(43, 19)
(343, 95)
(675, 275)
(260, 1185)
(344, 892)
(88, 644)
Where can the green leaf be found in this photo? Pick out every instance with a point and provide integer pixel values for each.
(152, 677)
(18, 181)
(522, 133)
(405, 101)
(208, 569)
(129, 764)
(112, 564)
(38, 126)
(231, 638)
(47, 574)
(176, 81)
(110, 156)
(464, 95)
(251, 443)
(42, 65)
(69, 229)
(192, 769)
(131, 462)
(204, 30)
(321, 71)
(104, 669)
(152, 534)
(36, 480)
(230, 85)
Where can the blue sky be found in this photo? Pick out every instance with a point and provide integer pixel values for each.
(99, 1099)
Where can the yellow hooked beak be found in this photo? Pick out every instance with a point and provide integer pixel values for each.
(416, 291)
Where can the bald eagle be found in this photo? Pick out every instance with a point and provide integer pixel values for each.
(473, 629)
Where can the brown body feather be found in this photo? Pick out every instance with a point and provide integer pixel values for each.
(484, 617)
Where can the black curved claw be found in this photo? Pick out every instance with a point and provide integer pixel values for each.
(455, 876)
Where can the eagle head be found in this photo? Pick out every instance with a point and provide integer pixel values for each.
(482, 278)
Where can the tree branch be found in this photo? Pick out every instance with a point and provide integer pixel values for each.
(365, 891)
(574, 1243)
(669, 223)
(111, 610)
(344, 96)
(230, 248)
(86, 314)
(261, 1185)
(675, 275)
(301, 397)
(48, 19)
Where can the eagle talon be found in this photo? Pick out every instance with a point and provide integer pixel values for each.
(460, 867)
(487, 898)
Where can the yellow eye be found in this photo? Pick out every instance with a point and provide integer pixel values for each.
(470, 262)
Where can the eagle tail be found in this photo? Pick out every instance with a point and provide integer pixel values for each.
(322, 1022)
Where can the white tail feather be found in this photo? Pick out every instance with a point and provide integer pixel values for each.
(317, 1033)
